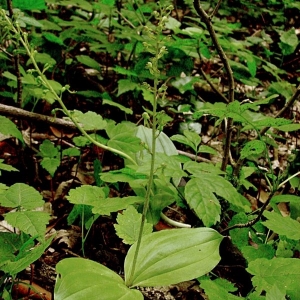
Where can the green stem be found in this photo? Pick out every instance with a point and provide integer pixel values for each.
(64, 108)
(150, 181)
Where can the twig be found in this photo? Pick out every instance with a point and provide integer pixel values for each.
(194, 157)
(252, 222)
(27, 115)
(290, 102)
(228, 130)
(215, 9)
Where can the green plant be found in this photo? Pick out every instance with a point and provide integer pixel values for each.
(152, 167)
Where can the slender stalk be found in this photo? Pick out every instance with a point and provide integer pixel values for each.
(150, 181)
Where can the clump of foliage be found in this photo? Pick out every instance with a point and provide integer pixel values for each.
(141, 56)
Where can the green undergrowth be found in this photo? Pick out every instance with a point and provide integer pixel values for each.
(148, 65)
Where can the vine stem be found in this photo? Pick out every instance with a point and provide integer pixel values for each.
(23, 40)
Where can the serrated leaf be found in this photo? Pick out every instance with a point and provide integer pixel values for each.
(47, 149)
(282, 272)
(109, 205)
(122, 137)
(282, 225)
(7, 127)
(200, 195)
(86, 194)
(50, 164)
(253, 148)
(121, 107)
(263, 251)
(218, 289)
(30, 222)
(71, 152)
(85, 279)
(203, 201)
(21, 195)
(88, 61)
(90, 120)
(179, 255)
(129, 224)
(125, 85)
(31, 256)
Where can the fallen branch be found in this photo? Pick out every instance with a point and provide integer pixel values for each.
(19, 113)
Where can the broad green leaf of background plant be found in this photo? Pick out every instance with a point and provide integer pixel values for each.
(80, 278)
(253, 149)
(190, 138)
(14, 267)
(21, 195)
(109, 205)
(263, 251)
(122, 137)
(90, 62)
(282, 225)
(10, 244)
(86, 195)
(282, 272)
(89, 120)
(219, 289)
(126, 85)
(30, 222)
(163, 144)
(6, 167)
(118, 105)
(172, 256)
(200, 195)
(289, 42)
(47, 149)
(50, 164)
(275, 293)
(7, 127)
(129, 223)
(29, 4)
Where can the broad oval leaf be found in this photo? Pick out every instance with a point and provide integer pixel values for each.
(172, 256)
(85, 279)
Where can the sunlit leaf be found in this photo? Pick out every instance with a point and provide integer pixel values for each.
(282, 272)
(179, 255)
(88, 280)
